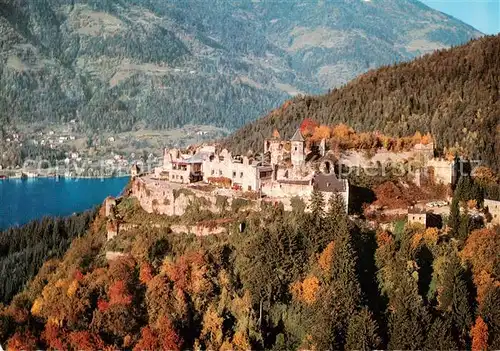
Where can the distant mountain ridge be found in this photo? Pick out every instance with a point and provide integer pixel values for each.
(121, 64)
(453, 94)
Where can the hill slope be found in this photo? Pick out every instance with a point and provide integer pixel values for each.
(116, 64)
(452, 94)
(290, 281)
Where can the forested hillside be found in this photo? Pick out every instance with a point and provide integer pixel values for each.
(120, 64)
(291, 280)
(23, 250)
(453, 94)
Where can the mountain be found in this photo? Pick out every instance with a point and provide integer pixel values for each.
(117, 65)
(453, 94)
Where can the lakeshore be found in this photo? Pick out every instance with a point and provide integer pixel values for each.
(24, 200)
(56, 176)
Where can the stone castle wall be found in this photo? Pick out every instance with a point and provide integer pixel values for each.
(442, 171)
(353, 158)
(494, 210)
(165, 198)
(198, 230)
(275, 189)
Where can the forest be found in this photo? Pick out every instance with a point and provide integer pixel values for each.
(23, 250)
(121, 65)
(451, 94)
(289, 280)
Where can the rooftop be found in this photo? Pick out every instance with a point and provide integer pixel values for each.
(297, 136)
(416, 210)
(328, 183)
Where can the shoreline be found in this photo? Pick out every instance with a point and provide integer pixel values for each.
(17, 177)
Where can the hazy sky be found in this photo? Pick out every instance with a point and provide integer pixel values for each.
(484, 15)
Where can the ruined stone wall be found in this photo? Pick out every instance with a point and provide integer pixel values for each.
(354, 158)
(442, 171)
(493, 209)
(275, 189)
(277, 150)
(162, 197)
(198, 230)
(420, 218)
(242, 173)
(153, 199)
(109, 203)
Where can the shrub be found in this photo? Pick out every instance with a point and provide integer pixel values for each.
(221, 203)
(223, 182)
(179, 192)
(298, 204)
(238, 204)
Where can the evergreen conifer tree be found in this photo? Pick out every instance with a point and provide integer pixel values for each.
(490, 311)
(440, 336)
(362, 332)
(336, 217)
(345, 284)
(317, 204)
(409, 318)
(329, 318)
(454, 218)
(463, 229)
(455, 300)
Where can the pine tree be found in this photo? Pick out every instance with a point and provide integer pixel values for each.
(464, 189)
(362, 332)
(313, 224)
(440, 336)
(490, 311)
(340, 298)
(336, 208)
(409, 318)
(336, 217)
(454, 218)
(462, 314)
(345, 284)
(317, 204)
(455, 300)
(467, 189)
(463, 229)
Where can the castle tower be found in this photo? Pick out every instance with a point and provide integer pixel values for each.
(274, 146)
(166, 157)
(297, 152)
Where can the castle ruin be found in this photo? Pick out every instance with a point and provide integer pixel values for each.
(284, 170)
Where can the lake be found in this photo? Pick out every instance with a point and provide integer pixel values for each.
(23, 200)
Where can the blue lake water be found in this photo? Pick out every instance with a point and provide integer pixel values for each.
(24, 200)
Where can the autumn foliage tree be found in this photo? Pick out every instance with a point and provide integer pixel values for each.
(22, 341)
(162, 337)
(479, 335)
(308, 126)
